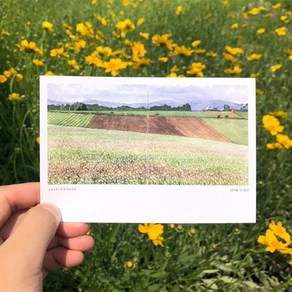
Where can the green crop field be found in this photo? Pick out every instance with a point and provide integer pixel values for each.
(69, 119)
(243, 115)
(119, 157)
(165, 38)
(234, 129)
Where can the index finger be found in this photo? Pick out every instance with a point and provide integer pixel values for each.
(17, 197)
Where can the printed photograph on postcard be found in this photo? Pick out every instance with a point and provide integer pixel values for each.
(168, 150)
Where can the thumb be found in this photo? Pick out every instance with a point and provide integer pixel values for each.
(27, 245)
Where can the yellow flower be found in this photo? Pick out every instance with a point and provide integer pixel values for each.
(286, 142)
(271, 241)
(73, 64)
(254, 75)
(233, 71)
(174, 69)
(272, 146)
(196, 43)
(154, 232)
(211, 54)
(15, 96)
(139, 62)
(38, 139)
(272, 124)
(130, 265)
(199, 51)
(181, 51)
(85, 29)
(144, 35)
(12, 73)
(50, 73)
(259, 91)
(196, 68)
(6, 33)
(281, 31)
(140, 21)
(284, 18)
(254, 57)
(279, 114)
(230, 57)
(93, 60)
(276, 6)
(225, 3)
(125, 2)
(280, 230)
(163, 40)
(260, 30)
(59, 52)
(114, 65)
(163, 59)
(3, 78)
(104, 51)
(125, 26)
(77, 45)
(234, 25)
(179, 10)
(276, 67)
(256, 10)
(276, 238)
(138, 50)
(46, 25)
(101, 20)
(30, 47)
(192, 231)
(234, 51)
(38, 62)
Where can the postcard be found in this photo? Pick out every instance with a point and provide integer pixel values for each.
(149, 150)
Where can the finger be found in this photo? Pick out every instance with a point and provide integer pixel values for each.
(9, 226)
(34, 233)
(72, 229)
(81, 243)
(64, 229)
(62, 257)
(15, 197)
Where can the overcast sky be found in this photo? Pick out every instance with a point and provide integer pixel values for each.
(137, 90)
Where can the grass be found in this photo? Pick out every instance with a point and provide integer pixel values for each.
(218, 257)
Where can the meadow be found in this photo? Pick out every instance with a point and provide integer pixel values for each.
(93, 156)
(177, 38)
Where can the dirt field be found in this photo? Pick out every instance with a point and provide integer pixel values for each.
(179, 126)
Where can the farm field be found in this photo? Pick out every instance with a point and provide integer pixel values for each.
(234, 130)
(69, 119)
(92, 156)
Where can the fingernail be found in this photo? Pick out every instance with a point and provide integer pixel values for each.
(54, 210)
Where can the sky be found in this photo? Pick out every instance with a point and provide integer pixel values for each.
(139, 90)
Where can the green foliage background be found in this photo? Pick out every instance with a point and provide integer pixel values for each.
(218, 257)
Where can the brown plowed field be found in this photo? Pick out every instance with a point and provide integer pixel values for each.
(178, 126)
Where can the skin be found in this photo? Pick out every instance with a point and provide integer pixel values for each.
(33, 242)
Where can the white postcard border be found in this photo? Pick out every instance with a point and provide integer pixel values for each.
(151, 203)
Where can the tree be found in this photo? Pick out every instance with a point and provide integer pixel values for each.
(79, 106)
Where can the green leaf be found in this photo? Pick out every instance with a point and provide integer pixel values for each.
(227, 279)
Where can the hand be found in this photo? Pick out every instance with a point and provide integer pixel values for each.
(33, 241)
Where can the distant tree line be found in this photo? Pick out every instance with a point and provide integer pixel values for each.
(79, 106)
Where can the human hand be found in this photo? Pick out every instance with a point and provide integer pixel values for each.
(33, 241)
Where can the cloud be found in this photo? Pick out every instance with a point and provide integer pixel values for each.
(139, 90)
